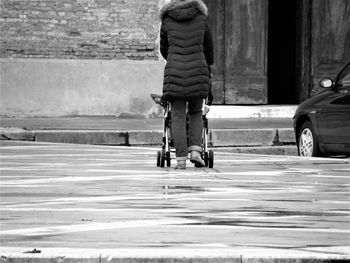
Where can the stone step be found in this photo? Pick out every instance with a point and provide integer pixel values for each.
(217, 138)
(252, 111)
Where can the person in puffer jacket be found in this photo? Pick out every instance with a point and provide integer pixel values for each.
(187, 45)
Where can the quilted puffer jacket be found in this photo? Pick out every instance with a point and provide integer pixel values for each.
(186, 43)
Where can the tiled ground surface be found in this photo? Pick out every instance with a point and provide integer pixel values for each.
(85, 200)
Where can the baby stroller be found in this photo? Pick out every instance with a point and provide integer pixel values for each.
(164, 155)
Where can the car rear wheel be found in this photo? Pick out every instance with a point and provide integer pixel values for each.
(307, 141)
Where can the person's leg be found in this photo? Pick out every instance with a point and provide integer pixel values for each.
(178, 117)
(195, 117)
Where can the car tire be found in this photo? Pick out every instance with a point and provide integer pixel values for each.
(307, 141)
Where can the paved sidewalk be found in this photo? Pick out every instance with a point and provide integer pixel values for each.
(85, 203)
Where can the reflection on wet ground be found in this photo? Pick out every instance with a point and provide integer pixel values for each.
(82, 196)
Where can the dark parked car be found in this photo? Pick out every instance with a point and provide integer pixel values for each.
(322, 123)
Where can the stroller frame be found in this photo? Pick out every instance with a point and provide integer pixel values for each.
(164, 155)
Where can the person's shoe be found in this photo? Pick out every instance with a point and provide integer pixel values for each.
(197, 159)
(181, 165)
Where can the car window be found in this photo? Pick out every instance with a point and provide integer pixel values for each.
(346, 80)
(343, 79)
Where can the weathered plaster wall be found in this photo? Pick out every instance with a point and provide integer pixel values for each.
(36, 87)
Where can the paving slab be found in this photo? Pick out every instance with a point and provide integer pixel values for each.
(86, 203)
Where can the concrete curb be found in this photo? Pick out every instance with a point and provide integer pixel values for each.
(195, 255)
(108, 259)
(242, 137)
(290, 150)
(82, 137)
(251, 137)
(100, 137)
(217, 138)
(16, 134)
(285, 135)
(144, 138)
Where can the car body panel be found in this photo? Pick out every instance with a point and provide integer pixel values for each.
(333, 123)
(329, 113)
(307, 111)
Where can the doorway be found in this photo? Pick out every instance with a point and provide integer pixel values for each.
(282, 52)
(239, 29)
(262, 51)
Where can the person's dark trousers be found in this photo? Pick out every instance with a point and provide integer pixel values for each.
(195, 118)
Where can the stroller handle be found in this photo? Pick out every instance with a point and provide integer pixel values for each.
(158, 99)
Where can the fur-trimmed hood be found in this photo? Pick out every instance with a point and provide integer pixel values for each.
(174, 5)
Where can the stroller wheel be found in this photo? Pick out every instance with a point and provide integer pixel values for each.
(211, 159)
(158, 158)
(168, 159)
(162, 158)
(206, 159)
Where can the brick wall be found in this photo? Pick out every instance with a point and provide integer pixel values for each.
(69, 29)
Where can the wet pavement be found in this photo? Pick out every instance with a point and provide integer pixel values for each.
(90, 203)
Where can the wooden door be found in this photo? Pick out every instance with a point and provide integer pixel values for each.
(217, 26)
(330, 38)
(239, 28)
(303, 49)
